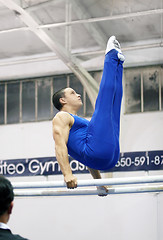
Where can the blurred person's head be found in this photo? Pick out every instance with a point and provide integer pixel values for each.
(6, 199)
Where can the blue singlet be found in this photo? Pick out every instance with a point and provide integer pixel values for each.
(95, 143)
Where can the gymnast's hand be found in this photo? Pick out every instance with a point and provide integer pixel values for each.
(71, 181)
(102, 191)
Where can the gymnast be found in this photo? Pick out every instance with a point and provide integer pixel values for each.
(94, 143)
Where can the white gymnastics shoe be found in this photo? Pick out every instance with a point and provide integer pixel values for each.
(114, 44)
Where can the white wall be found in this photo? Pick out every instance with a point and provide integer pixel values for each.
(142, 132)
(26, 140)
(122, 217)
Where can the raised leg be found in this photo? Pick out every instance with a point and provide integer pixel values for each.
(117, 109)
(103, 138)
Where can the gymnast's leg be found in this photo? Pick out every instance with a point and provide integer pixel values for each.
(101, 138)
(117, 110)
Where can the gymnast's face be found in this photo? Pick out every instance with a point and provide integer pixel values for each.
(72, 98)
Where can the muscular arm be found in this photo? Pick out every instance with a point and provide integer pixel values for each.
(62, 123)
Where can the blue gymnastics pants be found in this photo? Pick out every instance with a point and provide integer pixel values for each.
(102, 145)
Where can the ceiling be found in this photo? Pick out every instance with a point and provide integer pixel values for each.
(80, 26)
(75, 32)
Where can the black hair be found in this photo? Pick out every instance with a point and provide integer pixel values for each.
(55, 99)
(6, 194)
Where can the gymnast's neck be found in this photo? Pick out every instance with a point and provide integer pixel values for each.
(69, 109)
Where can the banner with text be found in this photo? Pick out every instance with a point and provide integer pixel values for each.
(129, 161)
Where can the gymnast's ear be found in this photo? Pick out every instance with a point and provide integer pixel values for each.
(62, 101)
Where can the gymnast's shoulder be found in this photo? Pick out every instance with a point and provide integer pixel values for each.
(63, 118)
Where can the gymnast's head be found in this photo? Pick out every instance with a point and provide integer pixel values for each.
(67, 98)
(6, 199)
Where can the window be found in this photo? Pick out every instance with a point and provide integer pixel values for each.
(143, 89)
(151, 90)
(77, 86)
(59, 82)
(2, 103)
(13, 102)
(28, 101)
(161, 99)
(133, 91)
(88, 106)
(31, 99)
(44, 98)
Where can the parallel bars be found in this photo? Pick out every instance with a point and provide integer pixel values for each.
(42, 188)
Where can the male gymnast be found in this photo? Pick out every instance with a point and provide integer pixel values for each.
(94, 143)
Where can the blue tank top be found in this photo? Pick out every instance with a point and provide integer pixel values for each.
(77, 137)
